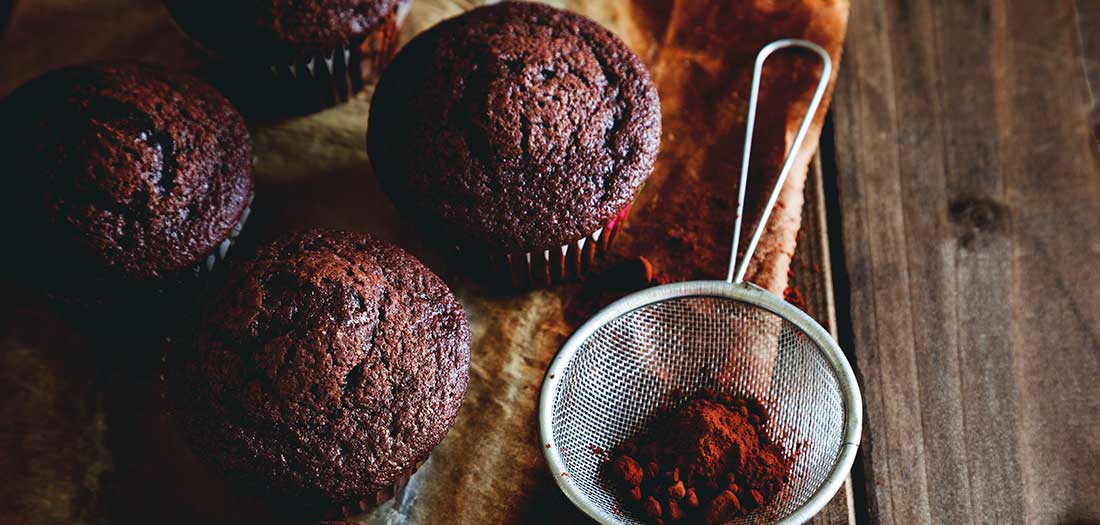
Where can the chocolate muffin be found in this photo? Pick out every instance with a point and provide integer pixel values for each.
(515, 128)
(124, 178)
(317, 52)
(323, 372)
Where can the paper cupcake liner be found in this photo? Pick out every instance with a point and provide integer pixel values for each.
(211, 261)
(536, 269)
(334, 76)
(395, 490)
(167, 287)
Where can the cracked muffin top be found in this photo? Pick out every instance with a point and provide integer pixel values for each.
(323, 370)
(259, 26)
(123, 172)
(515, 126)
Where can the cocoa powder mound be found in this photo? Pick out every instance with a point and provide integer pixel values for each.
(707, 461)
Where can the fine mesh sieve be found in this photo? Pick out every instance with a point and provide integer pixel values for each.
(638, 355)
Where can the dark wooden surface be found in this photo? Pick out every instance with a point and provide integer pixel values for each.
(969, 189)
(811, 276)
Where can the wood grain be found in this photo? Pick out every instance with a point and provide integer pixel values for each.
(811, 276)
(970, 196)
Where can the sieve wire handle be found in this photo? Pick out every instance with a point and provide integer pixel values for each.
(736, 274)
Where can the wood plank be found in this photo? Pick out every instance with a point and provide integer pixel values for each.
(811, 275)
(811, 268)
(970, 201)
(864, 98)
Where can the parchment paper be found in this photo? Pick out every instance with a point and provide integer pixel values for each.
(313, 171)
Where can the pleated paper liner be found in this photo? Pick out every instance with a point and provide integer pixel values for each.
(395, 490)
(113, 300)
(538, 269)
(219, 254)
(319, 79)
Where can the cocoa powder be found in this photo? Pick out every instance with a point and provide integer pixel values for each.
(707, 461)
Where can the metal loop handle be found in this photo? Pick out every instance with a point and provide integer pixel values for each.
(737, 274)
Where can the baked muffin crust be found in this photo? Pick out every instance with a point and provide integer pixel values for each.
(123, 172)
(514, 126)
(324, 370)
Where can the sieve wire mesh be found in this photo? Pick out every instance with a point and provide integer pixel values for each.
(640, 362)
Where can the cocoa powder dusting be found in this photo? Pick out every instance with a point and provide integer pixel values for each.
(708, 461)
(794, 296)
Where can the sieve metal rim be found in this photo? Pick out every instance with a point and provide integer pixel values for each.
(742, 292)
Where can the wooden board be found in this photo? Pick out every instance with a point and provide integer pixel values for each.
(812, 285)
(969, 184)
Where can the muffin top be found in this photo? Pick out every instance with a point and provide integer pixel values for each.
(326, 368)
(515, 126)
(260, 26)
(125, 172)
